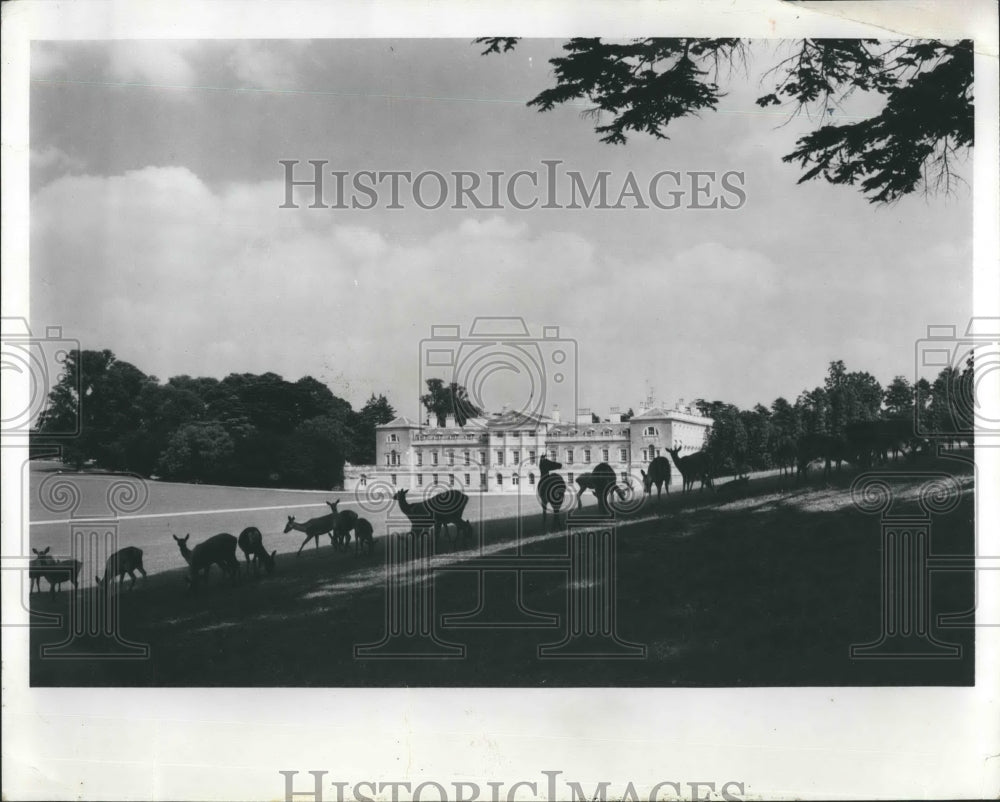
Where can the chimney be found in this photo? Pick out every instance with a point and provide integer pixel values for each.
(583, 416)
(615, 415)
(449, 421)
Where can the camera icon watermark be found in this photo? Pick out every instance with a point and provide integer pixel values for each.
(503, 368)
(965, 365)
(32, 366)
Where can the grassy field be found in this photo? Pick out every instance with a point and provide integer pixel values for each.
(768, 588)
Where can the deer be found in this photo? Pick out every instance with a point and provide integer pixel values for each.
(441, 510)
(58, 571)
(693, 467)
(217, 550)
(251, 543)
(363, 536)
(551, 489)
(35, 572)
(659, 475)
(346, 521)
(603, 482)
(314, 527)
(124, 561)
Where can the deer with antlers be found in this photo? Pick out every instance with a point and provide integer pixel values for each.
(693, 467)
(36, 566)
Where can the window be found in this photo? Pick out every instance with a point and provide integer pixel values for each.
(392, 479)
(499, 480)
(586, 455)
(517, 457)
(434, 478)
(624, 477)
(434, 458)
(569, 456)
(420, 480)
(468, 459)
(623, 455)
(531, 479)
(468, 480)
(387, 459)
(393, 438)
(532, 456)
(451, 480)
(606, 454)
(482, 480)
(451, 457)
(514, 479)
(499, 457)
(394, 458)
(420, 459)
(553, 456)
(569, 477)
(649, 431)
(482, 459)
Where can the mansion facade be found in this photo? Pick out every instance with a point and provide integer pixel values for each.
(500, 453)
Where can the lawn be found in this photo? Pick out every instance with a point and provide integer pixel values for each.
(769, 588)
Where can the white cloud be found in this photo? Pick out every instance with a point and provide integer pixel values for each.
(267, 64)
(51, 158)
(182, 279)
(159, 61)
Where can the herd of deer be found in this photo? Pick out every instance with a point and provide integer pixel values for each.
(864, 444)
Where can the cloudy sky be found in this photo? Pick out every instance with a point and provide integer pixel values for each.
(157, 233)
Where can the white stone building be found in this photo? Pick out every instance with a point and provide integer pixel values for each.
(499, 453)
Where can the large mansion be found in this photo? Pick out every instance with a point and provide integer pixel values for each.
(496, 454)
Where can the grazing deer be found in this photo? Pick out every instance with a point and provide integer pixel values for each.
(342, 526)
(439, 511)
(314, 527)
(363, 536)
(217, 550)
(658, 474)
(58, 571)
(124, 561)
(251, 543)
(693, 467)
(551, 489)
(603, 482)
(35, 572)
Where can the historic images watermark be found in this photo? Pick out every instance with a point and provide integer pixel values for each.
(552, 787)
(960, 414)
(542, 187)
(474, 452)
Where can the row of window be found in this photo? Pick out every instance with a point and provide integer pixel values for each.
(392, 459)
(514, 479)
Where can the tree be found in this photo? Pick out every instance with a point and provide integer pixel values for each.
(898, 398)
(197, 452)
(375, 412)
(452, 399)
(926, 121)
(313, 456)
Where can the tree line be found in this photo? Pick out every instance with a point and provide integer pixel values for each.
(246, 429)
(851, 412)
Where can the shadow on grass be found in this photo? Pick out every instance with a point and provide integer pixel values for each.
(769, 588)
